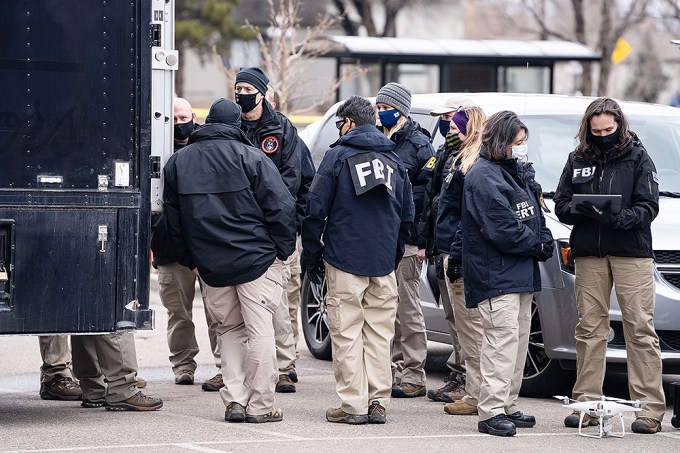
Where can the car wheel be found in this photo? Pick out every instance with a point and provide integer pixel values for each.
(314, 319)
(543, 376)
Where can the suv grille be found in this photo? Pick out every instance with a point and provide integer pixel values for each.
(665, 257)
(669, 339)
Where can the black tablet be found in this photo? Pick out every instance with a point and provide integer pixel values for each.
(597, 200)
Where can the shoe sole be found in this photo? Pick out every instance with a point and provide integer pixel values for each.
(93, 404)
(486, 429)
(259, 419)
(211, 388)
(286, 389)
(58, 397)
(235, 418)
(376, 420)
(591, 422)
(129, 407)
(450, 412)
(184, 382)
(350, 420)
(396, 393)
(520, 424)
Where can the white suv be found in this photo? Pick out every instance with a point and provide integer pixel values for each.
(553, 122)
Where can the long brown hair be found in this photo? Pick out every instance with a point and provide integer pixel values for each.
(600, 106)
(473, 140)
(499, 133)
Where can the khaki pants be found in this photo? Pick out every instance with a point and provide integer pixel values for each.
(246, 334)
(634, 284)
(56, 357)
(361, 312)
(293, 290)
(283, 329)
(506, 321)
(106, 365)
(470, 336)
(177, 289)
(456, 361)
(409, 348)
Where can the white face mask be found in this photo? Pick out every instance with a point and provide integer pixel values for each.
(521, 153)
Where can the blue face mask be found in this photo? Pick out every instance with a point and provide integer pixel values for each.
(389, 118)
(444, 126)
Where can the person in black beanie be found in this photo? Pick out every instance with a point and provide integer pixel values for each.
(276, 136)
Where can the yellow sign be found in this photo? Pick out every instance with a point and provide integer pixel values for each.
(621, 51)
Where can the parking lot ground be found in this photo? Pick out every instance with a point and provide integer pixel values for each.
(192, 420)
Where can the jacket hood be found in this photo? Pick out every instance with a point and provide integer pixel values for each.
(219, 131)
(367, 137)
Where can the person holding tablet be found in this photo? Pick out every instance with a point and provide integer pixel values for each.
(613, 247)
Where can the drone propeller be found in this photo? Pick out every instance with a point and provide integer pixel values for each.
(624, 401)
(565, 399)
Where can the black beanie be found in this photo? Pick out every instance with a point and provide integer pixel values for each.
(224, 111)
(254, 76)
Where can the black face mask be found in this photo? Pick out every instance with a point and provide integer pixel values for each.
(184, 130)
(247, 101)
(607, 142)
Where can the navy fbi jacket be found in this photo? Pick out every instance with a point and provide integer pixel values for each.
(503, 227)
(361, 203)
(228, 210)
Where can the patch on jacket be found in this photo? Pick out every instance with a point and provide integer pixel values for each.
(523, 207)
(270, 144)
(583, 174)
(370, 170)
(429, 165)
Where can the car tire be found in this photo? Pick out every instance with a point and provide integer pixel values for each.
(314, 319)
(543, 376)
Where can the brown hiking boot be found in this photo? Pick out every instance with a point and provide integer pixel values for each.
(276, 415)
(285, 384)
(453, 389)
(377, 414)
(407, 390)
(646, 425)
(460, 408)
(137, 402)
(184, 377)
(572, 421)
(235, 413)
(214, 384)
(340, 416)
(60, 388)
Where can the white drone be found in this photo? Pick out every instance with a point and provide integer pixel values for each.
(603, 409)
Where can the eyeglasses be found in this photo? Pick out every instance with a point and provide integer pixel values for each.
(339, 123)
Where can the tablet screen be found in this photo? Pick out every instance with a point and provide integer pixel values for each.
(597, 200)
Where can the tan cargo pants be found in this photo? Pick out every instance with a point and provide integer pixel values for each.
(506, 322)
(177, 289)
(245, 330)
(293, 290)
(470, 337)
(409, 348)
(106, 365)
(634, 285)
(56, 357)
(361, 312)
(283, 328)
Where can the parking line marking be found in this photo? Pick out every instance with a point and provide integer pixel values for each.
(244, 427)
(197, 444)
(199, 448)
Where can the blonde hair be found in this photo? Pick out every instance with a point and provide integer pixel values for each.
(473, 140)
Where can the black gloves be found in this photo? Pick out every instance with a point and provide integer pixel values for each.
(316, 273)
(603, 215)
(454, 270)
(546, 251)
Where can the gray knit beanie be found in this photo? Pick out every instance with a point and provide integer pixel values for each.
(397, 95)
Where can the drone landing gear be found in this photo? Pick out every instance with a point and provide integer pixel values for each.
(605, 429)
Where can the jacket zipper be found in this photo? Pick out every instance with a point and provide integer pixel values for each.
(599, 225)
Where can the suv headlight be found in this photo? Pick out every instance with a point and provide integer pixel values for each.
(566, 259)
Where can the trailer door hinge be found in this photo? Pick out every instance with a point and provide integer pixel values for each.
(155, 166)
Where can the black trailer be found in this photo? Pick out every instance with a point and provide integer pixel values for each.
(82, 133)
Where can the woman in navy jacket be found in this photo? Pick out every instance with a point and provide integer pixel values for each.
(504, 237)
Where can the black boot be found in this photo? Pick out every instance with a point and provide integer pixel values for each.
(497, 426)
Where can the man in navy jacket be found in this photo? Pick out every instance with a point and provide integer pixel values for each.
(360, 201)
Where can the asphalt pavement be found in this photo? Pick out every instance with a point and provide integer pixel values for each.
(193, 420)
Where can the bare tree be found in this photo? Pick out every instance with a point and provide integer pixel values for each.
(286, 50)
(609, 19)
(365, 10)
(646, 81)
